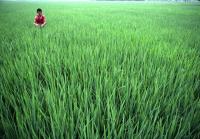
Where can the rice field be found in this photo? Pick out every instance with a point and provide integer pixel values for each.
(100, 70)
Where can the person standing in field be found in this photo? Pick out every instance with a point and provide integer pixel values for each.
(40, 20)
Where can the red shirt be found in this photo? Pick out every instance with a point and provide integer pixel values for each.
(39, 19)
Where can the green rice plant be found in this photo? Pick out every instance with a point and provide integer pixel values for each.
(100, 70)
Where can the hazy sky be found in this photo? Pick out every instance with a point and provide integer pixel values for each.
(46, 0)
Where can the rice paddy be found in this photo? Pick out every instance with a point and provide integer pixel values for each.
(100, 70)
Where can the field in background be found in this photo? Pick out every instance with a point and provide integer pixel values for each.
(100, 70)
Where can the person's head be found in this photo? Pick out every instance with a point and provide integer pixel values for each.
(39, 11)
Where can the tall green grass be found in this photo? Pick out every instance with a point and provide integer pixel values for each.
(100, 70)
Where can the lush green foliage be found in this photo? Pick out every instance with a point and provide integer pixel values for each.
(100, 70)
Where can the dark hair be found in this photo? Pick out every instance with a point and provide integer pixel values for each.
(39, 10)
